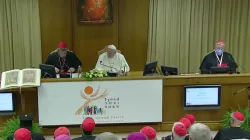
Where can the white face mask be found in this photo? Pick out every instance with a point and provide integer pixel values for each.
(219, 51)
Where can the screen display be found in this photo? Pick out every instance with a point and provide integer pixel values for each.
(202, 96)
(6, 102)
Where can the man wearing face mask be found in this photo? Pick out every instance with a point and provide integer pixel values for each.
(64, 60)
(112, 60)
(218, 58)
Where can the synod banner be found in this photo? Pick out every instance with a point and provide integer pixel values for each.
(107, 102)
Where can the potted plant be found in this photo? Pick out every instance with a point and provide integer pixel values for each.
(13, 124)
(226, 120)
(94, 74)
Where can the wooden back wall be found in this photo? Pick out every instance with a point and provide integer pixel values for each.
(129, 31)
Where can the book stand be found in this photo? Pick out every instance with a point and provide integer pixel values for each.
(22, 100)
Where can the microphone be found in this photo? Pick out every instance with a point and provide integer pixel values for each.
(108, 66)
(236, 64)
(248, 87)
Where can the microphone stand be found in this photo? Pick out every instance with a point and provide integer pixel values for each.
(248, 102)
(78, 71)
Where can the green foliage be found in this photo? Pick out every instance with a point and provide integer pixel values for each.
(226, 120)
(13, 124)
(94, 74)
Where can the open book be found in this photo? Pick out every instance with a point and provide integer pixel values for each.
(21, 78)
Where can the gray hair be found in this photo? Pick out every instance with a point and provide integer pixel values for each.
(200, 131)
(106, 136)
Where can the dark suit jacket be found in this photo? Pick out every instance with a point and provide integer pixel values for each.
(84, 137)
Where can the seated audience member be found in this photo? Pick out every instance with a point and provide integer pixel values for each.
(64, 60)
(22, 134)
(186, 122)
(136, 136)
(61, 131)
(234, 132)
(149, 132)
(106, 136)
(112, 61)
(34, 136)
(179, 132)
(63, 137)
(191, 118)
(87, 126)
(199, 131)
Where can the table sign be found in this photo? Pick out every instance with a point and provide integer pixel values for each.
(107, 102)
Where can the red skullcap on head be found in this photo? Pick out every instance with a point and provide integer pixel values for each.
(149, 132)
(180, 130)
(239, 116)
(88, 124)
(61, 130)
(62, 45)
(22, 134)
(186, 122)
(190, 117)
(220, 41)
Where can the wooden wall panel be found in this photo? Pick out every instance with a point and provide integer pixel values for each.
(133, 31)
(128, 32)
(56, 24)
(90, 38)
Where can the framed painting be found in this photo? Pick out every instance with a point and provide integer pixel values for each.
(95, 11)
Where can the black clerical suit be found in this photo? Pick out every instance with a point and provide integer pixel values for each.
(64, 64)
(232, 133)
(211, 60)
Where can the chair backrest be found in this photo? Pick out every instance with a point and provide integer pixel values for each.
(56, 50)
(105, 50)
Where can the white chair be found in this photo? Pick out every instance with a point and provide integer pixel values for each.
(105, 50)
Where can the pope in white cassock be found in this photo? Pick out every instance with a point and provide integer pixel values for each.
(112, 61)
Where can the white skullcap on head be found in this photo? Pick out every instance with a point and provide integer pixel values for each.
(112, 47)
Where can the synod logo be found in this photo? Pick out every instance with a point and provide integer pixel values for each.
(89, 95)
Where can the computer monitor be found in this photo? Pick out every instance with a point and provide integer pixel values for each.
(7, 103)
(169, 70)
(48, 71)
(219, 70)
(150, 69)
(199, 97)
